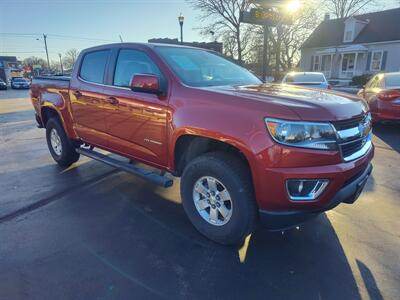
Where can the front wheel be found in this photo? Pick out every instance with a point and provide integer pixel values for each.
(218, 197)
(61, 147)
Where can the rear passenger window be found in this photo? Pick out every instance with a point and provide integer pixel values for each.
(131, 62)
(94, 65)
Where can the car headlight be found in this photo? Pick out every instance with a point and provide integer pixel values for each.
(312, 135)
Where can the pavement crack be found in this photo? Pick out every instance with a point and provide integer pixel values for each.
(47, 200)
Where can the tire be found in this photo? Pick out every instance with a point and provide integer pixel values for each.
(64, 154)
(232, 175)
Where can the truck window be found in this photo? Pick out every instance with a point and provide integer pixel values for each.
(94, 65)
(132, 62)
(201, 68)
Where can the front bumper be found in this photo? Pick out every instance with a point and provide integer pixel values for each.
(22, 87)
(348, 193)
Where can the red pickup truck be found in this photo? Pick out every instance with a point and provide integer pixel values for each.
(245, 151)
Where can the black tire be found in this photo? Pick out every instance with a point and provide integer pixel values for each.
(235, 176)
(68, 154)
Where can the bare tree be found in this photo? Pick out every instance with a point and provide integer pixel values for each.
(35, 61)
(224, 21)
(305, 21)
(284, 41)
(347, 8)
(244, 41)
(69, 58)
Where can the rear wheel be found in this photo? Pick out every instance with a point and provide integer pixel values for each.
(217, 196)
(61, 147)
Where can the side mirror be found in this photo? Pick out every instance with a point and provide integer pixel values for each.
(146, 83)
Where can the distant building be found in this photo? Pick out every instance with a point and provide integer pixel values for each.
(215, 46)
(10, 67)
(363, 44)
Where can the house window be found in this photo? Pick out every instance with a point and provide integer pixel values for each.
(348, 36)
(348, 62)
(376, 61)
(316, 63)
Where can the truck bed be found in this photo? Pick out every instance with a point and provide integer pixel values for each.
(42, 84)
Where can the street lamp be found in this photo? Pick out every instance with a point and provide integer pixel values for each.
(61, 64)
(181, 19)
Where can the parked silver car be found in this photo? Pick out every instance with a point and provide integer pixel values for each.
(307, 79)
(20, 83)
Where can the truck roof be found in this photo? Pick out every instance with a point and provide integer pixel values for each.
(148, 45)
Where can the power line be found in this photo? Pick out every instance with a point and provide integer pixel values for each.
(55, 36)
(79, 38)
(20, 34)
(21, 51)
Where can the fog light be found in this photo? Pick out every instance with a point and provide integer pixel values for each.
(305, 189)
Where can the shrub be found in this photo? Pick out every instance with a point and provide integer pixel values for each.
(361, 80)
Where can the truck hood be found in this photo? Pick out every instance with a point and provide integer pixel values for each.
(309, 104)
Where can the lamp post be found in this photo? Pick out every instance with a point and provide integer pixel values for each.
(181, 19)
(61, 64)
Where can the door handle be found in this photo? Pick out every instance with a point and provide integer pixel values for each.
(112, 100)
(77, 94)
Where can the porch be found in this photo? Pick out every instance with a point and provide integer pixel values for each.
(341, 63)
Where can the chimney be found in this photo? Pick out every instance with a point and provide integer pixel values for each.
(327, 17)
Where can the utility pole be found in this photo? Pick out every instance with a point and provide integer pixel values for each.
(47, 52)
(62, 69)
(120, 38)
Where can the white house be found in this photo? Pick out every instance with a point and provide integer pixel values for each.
(363, 44)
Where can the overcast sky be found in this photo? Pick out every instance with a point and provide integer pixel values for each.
(84, 23)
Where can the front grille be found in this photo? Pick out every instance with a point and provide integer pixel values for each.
(352, 147)
(349, 123)
(352, 136)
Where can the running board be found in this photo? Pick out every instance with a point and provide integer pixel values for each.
(142, 173)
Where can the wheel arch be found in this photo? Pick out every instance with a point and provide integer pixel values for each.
(47, 112)
(188, 146)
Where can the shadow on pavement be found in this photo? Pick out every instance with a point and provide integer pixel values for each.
(369, 281)
(16, 116)
(389, 133)
(120, 238)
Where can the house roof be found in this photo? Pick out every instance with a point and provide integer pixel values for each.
(380, 27)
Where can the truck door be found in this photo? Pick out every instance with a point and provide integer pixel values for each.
(137, 125)
(87, 98)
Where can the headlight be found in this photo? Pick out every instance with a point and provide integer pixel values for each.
(320, 136)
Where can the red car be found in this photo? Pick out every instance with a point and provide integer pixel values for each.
(382, 93)
(245, 151)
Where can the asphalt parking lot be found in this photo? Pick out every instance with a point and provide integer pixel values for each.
(91, 232)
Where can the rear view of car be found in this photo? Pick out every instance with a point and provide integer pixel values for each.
(3, 85)
(20, 83)
(382, 93)
(307, 79)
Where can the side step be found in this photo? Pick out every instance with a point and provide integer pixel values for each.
(142, 173)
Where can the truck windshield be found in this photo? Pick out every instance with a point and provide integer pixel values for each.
(200, 68)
